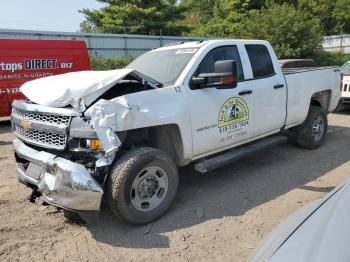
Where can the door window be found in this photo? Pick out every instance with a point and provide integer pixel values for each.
(218, 54)
(260, 61)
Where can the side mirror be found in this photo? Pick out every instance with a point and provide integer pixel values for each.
(225, 76)
(198, 80)
(228, 69)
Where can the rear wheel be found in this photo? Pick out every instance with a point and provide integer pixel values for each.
(312, 133)
(142, 185)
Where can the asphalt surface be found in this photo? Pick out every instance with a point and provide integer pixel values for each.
(220, 216)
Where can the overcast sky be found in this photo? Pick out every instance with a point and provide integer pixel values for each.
(47, 15)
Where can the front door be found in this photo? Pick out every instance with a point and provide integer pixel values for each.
(220, 118)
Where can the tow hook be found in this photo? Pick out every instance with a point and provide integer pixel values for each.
(35, 193)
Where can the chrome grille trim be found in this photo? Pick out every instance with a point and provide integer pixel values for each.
(40, 125)
(20, 104)
(51, 119)
(45, 139)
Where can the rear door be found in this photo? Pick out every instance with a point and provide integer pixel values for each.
(269, 90)
(220, 117)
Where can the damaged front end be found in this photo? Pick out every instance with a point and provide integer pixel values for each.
(66, 145)
(53, 158)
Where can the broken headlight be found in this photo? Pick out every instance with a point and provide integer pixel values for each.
(83, 136)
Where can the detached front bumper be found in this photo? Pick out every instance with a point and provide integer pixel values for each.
(61, 182)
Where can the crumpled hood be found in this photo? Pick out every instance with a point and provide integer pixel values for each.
(78, 89)
(318, 232)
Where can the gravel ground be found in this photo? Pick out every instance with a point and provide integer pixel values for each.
(220, 216)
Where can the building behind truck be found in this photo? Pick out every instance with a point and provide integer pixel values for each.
(24, 60)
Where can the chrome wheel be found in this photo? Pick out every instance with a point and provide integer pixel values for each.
(149, 189)
(317, 128)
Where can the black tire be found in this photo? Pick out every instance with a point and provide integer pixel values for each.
(121, 179)
(305, 138)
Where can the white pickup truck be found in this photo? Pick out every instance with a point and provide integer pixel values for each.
(345, 83)
(121, 134)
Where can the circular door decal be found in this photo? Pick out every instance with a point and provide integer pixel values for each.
(233, 111)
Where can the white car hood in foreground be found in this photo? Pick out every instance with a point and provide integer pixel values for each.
(78, 89)
(318, 232)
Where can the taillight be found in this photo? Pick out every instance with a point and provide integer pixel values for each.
(341, 82)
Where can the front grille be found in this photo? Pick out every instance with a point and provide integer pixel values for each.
(40, 128)
(51, 119)
(41, 138)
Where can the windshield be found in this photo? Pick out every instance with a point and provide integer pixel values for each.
(164, 66)
(346, 69)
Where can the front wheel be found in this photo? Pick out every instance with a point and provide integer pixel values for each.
(142, 185)
(312, 133)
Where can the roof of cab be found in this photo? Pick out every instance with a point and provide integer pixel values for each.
(200, 43)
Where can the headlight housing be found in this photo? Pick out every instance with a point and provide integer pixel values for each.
(85, 144)
(94, 144)
(83, 137)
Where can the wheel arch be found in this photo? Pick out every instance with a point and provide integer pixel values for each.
(321, 99)
(164, 137)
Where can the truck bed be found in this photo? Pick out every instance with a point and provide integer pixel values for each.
(288, 71)
(303, 83)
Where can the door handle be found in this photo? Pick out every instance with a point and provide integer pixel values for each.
(278, 86)
(245, 92)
